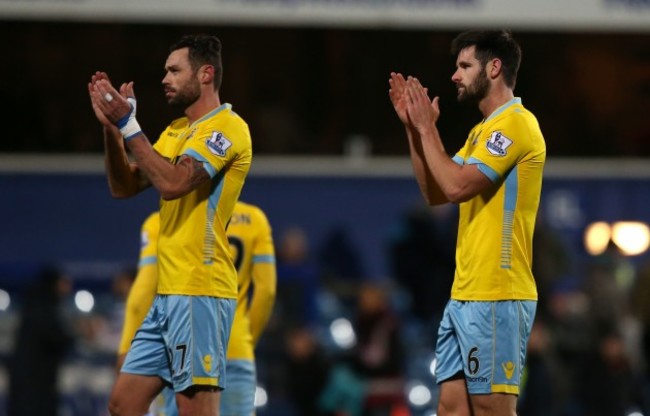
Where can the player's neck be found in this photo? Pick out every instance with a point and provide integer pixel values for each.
(497, 97)
(206, 103)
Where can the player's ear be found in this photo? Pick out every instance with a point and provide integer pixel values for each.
(494, 68)
(206, 74)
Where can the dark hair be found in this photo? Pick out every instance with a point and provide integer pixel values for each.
(203, 50)
(492, 44)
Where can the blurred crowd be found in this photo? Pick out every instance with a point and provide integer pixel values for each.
(341, 343)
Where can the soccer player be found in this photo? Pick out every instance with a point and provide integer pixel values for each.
(251, 243)
(496, 179)
(198, 165)
(143, 289)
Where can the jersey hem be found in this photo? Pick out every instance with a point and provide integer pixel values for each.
(493, 298)
(211, 295)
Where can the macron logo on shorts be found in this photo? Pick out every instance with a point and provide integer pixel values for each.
(509, 369)
(207, 363)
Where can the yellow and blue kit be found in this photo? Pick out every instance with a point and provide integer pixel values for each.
(494, 258)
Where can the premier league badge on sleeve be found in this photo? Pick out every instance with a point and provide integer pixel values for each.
(218, 144)
(498, 144)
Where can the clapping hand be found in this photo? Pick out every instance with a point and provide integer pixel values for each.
(422, 112)
(109, 105)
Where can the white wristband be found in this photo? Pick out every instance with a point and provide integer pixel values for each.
(128, 125)
(131, 129)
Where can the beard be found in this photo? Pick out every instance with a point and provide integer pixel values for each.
(476, 91)
(186, 95)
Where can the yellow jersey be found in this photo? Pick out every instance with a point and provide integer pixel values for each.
(193, 251)
(143, 289)
(495, 229)
(252, 248)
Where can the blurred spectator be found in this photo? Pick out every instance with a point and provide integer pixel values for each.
(608, 281)
(344, 393)
(110, 312)
(101, 329)
(572, 331)
(307, 371)
(540, 385)
(379, 358)
(42, 340)
(608, 386)
(378, 352)
(422, 255)
(370, 381)
(298, 279)
(340, 264)
(641, 307)
(551, 262)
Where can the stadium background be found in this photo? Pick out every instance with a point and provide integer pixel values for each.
(310, 77)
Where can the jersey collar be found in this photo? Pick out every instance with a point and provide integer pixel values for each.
(516, 100)
(224, 106)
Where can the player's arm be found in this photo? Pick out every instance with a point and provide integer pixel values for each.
(171, 180)
(426, 182)
(138, 302)
(264, 278)
(458, 183)
(261, 305)
(125, 179)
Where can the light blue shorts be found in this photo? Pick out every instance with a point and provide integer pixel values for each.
(486, 341)
(167, 403)
(183, 340)
(237, 400)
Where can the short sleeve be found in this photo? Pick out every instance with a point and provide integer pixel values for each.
(216, 147)
(500, 147)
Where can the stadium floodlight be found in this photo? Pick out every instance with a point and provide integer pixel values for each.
(631, 237)
(418, 394)
(5, 300)
(597, 237)
(343, 333)
(84, 301)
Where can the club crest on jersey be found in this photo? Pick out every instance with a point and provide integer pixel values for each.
(218, 144)
(498, 144)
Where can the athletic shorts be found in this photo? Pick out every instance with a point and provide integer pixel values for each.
(166, 403)
(183, 340)
(239, 398)
(486, 341)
